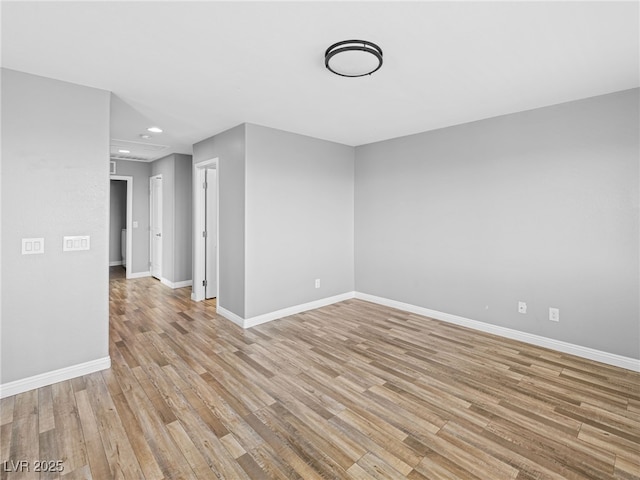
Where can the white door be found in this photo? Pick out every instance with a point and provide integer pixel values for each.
(211, 229)
(155, 226)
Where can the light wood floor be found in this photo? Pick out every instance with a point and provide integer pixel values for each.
(353, 390)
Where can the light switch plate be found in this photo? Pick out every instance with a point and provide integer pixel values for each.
(76, 243)
(32, 246)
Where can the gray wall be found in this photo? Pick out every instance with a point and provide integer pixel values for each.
(117, 218)
(539, 206)
(299, 219)
(140, 171)
(229, 148)
(55, 171)
(183, 238)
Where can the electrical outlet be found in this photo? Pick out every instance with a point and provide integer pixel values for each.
(317, 283)
(522, 307)
(554, 314)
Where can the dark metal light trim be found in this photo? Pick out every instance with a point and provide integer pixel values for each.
(353, 45)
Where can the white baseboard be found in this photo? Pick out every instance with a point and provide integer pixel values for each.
(115, 264)
(558, 345)
(138, 274)
(285, 312)
(238, 320)
(55, 376)
(170, 284)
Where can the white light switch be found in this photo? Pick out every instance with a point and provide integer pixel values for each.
(74, 244)
(32, 246)
(135, 224)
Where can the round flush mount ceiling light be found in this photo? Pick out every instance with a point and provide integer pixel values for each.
(122, 150)
(145, 136)
(154, 129)
(353, 58)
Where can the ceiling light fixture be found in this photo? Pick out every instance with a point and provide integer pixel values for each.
(145, 136)
(353, 58)
(154, 129)
(124, 151)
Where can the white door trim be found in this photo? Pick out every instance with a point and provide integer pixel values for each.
(198, 290)
(129, 240)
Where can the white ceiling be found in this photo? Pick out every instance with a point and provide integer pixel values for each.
(199, 68)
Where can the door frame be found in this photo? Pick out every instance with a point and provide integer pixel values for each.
(129, 240)
(161, 253)
(199, 244)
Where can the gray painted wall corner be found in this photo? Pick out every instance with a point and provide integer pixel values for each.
(299, 219)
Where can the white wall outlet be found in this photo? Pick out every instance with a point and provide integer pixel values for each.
(76, 243)
(522, 307)
(317, 283)
(554, 314)
(32, 246)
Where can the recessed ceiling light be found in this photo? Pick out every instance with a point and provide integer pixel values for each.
(353, 58)
(154, 129)
(124, 151)
(145, 136)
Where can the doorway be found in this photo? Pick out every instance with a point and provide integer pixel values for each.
(206, 254)
(116, 236)
(155, 226)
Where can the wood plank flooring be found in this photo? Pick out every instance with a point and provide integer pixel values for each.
(352, 390)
